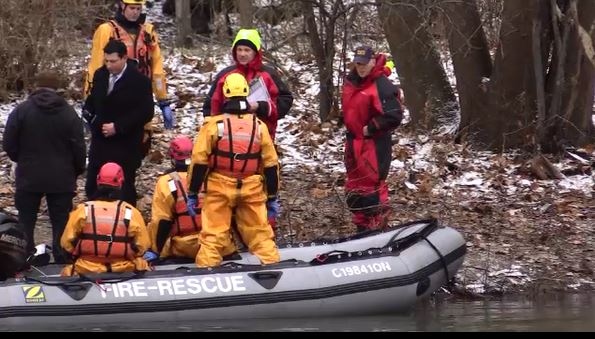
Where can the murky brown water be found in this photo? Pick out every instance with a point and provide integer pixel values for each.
(556, 313)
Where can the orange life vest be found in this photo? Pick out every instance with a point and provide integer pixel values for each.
(139, 46)
(237, 152)
(183, 223)
(104, 237)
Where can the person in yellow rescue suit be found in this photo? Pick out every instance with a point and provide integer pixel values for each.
(173, 232)
(142, 41)
(106, 234)
(235, 155)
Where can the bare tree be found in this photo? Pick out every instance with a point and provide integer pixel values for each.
(423, 78)
(322, 40)
(471, 60)
(246, 10)
(539, 92)
(204, 13)
(184, 29)
(512, 93)
(571, 123)
(38, 34)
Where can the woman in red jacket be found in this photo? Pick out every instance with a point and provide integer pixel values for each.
(371, 112)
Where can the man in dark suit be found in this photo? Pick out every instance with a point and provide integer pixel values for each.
(119, 105)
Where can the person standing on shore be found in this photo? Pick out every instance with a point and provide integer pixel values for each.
(48, 159)
(371, 112)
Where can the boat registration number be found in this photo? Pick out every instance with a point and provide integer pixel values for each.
(376, 267)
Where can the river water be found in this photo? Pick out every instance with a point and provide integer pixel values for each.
(553, 313)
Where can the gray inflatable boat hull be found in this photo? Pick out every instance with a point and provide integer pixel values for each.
(371, 275)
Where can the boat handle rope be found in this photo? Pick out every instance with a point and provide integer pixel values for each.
(392, 245)
(432, 225)
(83, 278)
(442, 260)
(321, 258)
(400, 228)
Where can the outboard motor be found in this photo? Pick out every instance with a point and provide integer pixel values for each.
(13, 247)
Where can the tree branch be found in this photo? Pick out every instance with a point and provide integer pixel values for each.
(539, 82)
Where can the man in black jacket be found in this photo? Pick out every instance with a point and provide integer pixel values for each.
(44, 136)
(119, 105)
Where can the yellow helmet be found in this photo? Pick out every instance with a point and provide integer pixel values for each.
(134, 2)
(235, 85)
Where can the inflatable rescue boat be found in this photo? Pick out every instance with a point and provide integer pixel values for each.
(376, 272)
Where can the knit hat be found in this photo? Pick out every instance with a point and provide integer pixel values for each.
(247, 37)
(245, 42)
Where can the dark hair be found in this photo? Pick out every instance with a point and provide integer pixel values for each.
(48, 79)
(115, 46)
(107, 193)
(179, 165)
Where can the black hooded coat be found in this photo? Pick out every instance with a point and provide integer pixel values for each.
(44, 136)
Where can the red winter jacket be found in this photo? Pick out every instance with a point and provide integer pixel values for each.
(269, 112)
(371, 101)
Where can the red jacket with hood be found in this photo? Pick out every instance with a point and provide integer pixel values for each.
(371, 101)
(269, 112)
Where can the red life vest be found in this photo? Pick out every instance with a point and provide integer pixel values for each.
(183, 223)
(104, 238)
(237, 152)
(138, 47)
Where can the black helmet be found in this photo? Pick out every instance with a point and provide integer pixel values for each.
(13, 247)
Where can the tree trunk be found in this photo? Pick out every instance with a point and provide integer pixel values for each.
(183, 26)
(512, 91)
(577, 126)
(422, 76)
(246, 12)
(323, 47)
(471, 60)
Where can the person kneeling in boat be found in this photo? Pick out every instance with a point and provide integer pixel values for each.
(106, 234)
(173, 232)
(235, 155)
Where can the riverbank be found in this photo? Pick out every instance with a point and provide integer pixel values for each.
(529, 237)
(524, 235)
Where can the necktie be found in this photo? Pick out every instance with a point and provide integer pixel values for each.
(112, 81)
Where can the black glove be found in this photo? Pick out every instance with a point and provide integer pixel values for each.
(88, 116)
(264, 109)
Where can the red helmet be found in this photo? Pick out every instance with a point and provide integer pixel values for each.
(110, 174)
(180, 148)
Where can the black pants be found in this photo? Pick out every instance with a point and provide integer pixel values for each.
(128, 189)
(59, 206)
